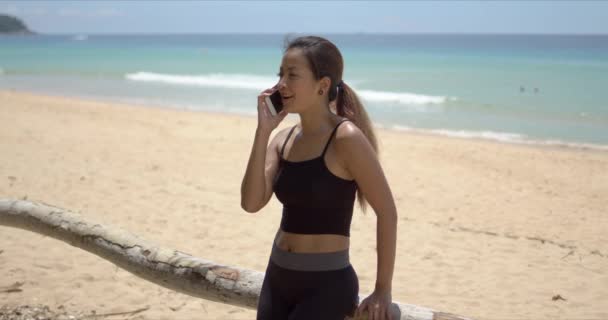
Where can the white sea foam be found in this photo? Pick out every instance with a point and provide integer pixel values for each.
(255, 82)
(217, 80)
(491, 135)
(506, 137)
(404, 98)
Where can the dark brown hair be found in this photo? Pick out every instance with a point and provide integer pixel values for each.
(325, 60)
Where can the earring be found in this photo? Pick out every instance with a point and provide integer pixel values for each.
(321, 92)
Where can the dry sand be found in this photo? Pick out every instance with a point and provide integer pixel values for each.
(486, 230)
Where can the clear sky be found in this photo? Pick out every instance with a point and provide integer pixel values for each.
(562, 17)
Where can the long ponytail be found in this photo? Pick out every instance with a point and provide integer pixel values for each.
(348, 105)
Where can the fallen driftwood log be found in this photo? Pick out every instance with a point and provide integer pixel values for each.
(166, 267)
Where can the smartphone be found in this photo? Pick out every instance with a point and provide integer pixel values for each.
(274, 102)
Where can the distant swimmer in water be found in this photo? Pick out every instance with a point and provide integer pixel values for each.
(522, 89)
(535, 90)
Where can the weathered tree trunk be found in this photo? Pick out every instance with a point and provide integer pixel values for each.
(166, 267)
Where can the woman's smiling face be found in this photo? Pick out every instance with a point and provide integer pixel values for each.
(296, 83)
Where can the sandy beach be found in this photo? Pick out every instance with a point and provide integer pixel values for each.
(487, 230)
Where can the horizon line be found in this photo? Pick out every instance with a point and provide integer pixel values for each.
(325, 33)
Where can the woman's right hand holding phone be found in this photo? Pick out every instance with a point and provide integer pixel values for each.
(266, 121)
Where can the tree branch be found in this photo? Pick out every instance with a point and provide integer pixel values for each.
(166, 267)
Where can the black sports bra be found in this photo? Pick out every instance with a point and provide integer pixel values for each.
(315, 201)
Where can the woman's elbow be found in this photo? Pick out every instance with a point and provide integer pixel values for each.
(249, 207)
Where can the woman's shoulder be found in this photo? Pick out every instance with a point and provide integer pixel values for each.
(350, 140)
(283, 132)
(347, 130)
(352, 145)
(281, 135)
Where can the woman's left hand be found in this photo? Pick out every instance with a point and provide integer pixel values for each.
(377, 305)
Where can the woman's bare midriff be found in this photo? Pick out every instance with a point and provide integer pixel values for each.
(311, 243)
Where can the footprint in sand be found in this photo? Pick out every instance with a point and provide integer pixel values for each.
(87, 277)
(60, 266)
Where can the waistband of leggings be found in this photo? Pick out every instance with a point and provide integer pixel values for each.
(304, 261)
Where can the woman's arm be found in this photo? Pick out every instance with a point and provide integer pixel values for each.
(256, 188)
(362, 162)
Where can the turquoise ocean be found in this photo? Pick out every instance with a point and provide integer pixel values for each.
(539, 89)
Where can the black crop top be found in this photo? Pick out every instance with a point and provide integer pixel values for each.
(315, 201)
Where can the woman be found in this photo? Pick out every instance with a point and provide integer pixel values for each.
(315, 168)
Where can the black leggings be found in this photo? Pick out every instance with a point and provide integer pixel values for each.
(289, 294)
